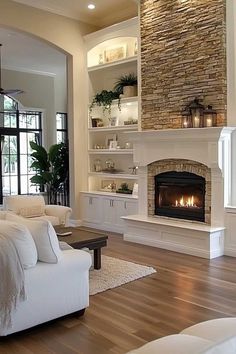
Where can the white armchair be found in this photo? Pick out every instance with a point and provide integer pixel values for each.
(33, 206)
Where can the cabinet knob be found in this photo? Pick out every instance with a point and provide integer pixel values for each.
(125, 205)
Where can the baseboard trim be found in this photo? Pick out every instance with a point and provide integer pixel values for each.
(230, 252)
(75, 223)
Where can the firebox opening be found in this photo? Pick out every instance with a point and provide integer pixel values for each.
(180, 195)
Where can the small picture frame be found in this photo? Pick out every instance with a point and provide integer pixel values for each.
(115, 53)
(135, 190)
(113, 145)
(109, 138)
(114, 121)
(96, 122)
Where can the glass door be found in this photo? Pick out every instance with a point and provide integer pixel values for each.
(9, 181)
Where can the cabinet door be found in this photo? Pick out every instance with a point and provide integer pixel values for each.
(130, 207)
(114, 209)
(91, 209)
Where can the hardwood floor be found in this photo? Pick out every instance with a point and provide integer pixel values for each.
(185, 290)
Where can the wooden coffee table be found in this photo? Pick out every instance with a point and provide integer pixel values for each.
(81, 238)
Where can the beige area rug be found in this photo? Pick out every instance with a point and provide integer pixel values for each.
(116, 272)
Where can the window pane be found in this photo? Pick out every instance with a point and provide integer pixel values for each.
(59, 137)
(6, 186)
(6, 144)
(24, 184)
(23, 143)
(13, 145)
(22, 120)
(23, 164)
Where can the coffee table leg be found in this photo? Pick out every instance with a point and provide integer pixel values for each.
(97, 258)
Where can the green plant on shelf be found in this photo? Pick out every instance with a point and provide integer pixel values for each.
(124, 188)
(104, 99)
(123, 81)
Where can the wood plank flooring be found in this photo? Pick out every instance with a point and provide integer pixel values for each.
(185, 290)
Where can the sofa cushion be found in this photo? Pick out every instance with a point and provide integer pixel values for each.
(16, 202)
(44, 237)
(22, 240)
(177, 344)
(54, 220)
(221, 331)
(32, 211)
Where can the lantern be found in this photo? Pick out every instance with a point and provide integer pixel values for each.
(186, 118)
(209, 117)
(197, 113)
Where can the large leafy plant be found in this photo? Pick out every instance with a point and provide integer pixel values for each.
(51, 168)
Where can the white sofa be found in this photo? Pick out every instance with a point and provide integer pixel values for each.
(53, 290)
(55, 286)
(33, 206)
(210, 337)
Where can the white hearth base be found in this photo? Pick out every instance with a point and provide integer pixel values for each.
(180, 236)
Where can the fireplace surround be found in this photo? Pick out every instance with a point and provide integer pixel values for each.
(203, 152)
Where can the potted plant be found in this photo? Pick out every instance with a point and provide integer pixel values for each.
(104, 99)
(52, 168)
(124, 188)
(126, 85)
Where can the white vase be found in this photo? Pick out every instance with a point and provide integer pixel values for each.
(129, 91)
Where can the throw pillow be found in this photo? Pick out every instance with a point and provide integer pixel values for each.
(44, 236)
(31, 212)
(22, 240)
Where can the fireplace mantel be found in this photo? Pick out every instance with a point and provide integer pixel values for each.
(197, 144)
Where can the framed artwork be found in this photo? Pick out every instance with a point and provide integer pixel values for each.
(109, 139)
(113, 145)
(114, 121)
(115, 53)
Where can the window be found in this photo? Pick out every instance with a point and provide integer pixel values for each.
(17, 129)
(62, 129)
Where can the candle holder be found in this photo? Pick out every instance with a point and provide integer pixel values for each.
(210, 116)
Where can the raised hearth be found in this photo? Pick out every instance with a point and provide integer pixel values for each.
(191, 163)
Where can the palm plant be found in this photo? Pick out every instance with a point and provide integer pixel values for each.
(52, 168)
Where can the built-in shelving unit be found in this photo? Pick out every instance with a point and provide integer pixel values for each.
(111, 53)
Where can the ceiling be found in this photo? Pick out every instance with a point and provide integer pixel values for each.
(107, 12)
(23, 53)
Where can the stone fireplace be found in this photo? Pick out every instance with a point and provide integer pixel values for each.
(179, 189)
(184, 184)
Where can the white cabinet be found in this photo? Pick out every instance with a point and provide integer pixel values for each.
(104, 211)
(91, 209)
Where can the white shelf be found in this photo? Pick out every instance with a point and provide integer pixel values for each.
(112, 64)
(115, 128)
(123, 100)
(110, 152)
(113, 175)
(111, 194)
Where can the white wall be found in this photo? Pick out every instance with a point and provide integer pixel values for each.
(231, 85)
(39, 93)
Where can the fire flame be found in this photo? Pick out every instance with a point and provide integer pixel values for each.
(185, 202)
